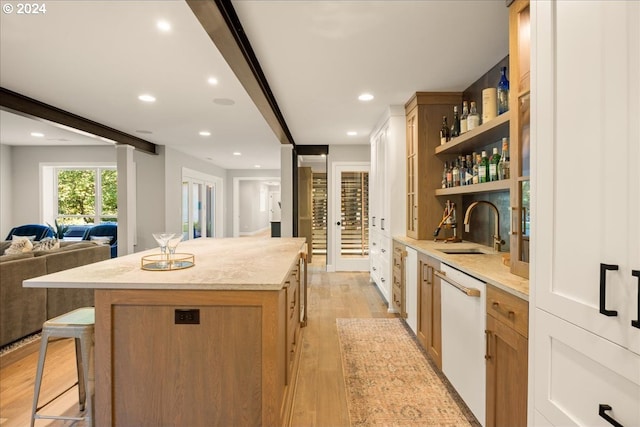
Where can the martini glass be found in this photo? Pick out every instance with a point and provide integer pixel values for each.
(172, 244)
(163, 238)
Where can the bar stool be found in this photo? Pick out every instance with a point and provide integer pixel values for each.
(78, 324)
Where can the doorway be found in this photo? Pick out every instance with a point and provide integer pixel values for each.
(351, 216)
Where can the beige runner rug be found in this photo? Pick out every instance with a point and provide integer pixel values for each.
(391, 382)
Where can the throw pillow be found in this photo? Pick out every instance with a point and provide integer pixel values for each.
(101, 240)
(46, 244)
(19, 244)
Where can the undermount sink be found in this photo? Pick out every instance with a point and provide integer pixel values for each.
(463, 251)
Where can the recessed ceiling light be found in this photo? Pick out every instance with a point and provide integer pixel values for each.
(37, 134)
(256, 166)
(237, 153)
(163, 26)
(147, 98)
(224, 101)
(352, 133)
(212, 81)
(365, 97)
(205, 133)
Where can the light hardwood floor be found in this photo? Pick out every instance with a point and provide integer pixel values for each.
(320, 397)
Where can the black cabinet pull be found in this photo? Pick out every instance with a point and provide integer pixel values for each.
(636, 323)
(603, 289)
(606, 416)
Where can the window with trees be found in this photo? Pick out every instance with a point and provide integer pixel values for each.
(85, 195)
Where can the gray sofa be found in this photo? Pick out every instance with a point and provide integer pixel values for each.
(24, 310)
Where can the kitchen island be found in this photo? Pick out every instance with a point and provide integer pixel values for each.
(213, 344)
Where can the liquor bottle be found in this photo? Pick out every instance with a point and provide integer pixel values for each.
(444, 131)
(450, 175)
(476, 168)
(503, 92)
(504, 168)
(473, 119)
(455, 126)
(463, 171)
(444, 175)
(463, 118)
(455, 172)
(483, 168)
(469, 175)
(493, 165)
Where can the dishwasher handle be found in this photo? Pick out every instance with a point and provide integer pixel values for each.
(471, 292)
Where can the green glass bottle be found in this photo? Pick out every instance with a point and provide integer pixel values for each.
(493, 165)
(483, 168)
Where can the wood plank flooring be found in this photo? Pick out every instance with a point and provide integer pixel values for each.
(320, 398)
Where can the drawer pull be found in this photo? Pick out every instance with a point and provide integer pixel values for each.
(636, 323)
(603, 289)
(496, 306)
(471, 292)
(606, 416)
(383, 250)
(487, 355)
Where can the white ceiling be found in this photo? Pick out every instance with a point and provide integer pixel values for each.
(93, 59)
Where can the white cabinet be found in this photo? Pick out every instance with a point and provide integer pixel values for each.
(386, 195)
(585, 196)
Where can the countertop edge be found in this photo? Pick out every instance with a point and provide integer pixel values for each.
(455, 263)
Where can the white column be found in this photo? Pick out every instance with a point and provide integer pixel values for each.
(286, 190)
(126, 199)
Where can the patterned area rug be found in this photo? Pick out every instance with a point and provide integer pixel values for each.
(391, 382)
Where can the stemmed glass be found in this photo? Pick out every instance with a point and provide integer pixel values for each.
(172, 244)
(163, 238)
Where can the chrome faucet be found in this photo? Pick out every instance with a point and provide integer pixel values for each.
(497, 241)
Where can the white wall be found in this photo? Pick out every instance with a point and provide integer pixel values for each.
(6, 190)
(340, 153)
(252, 219)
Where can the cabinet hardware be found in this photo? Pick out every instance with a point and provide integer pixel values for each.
(373, 221)
(603, 289)
(383, 250)
(636, 323)
(381, 223)
(603, 414)
(496, 306)
(338, 223)
(487, 354)
(512, 215)
(382, 279)
(471, 292)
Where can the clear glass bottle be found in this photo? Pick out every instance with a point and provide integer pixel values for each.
(463, 118)
(450, 175)
(493, 165)
(503, 92)
(483, 168)
(504, 168)
(473, 119)
(476, 168)
(455, 173)
(463, 171)
(444, 131)
(444, 175)
(455, 126)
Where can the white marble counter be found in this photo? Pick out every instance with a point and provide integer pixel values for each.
(487, 266)
(220, 264)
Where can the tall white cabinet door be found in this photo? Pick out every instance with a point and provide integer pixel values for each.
(586, 132)
(585, 360)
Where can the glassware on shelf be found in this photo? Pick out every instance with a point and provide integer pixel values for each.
(163, 238)
(503, 92)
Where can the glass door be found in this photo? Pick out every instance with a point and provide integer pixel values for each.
(352, 218)
(201, 207)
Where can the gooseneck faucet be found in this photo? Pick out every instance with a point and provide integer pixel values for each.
(497, 241)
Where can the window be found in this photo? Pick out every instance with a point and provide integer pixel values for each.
(83, 195)
(201, 205)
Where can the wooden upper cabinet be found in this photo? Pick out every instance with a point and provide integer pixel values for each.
(424, 113)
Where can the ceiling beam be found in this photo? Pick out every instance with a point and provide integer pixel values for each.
(220, 21)
(34, 109)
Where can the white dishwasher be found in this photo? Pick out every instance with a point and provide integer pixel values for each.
(463, 343)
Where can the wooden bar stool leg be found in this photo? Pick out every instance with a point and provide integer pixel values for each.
(86, 343)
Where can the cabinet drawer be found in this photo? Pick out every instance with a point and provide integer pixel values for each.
(509, 309)
(578, 371)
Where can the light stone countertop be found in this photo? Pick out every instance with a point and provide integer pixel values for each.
(244, 263)
(487, 266)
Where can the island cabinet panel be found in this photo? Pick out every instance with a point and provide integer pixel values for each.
(230, 369)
